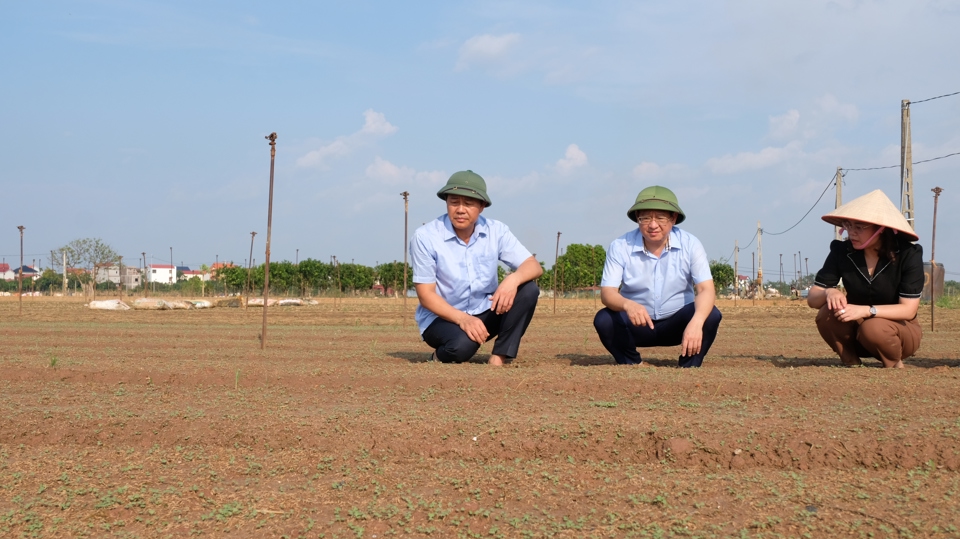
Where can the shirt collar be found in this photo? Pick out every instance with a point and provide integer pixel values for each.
(481, 230)
(673, 241)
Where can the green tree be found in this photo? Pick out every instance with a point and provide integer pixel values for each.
(90, 254)
(355, 277)
(315, 275)
(232, 277)
(283, 277)
(49, 280)
(580, 266)
(722, 275)
(390, 275)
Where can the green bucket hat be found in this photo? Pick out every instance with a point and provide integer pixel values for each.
(466, 183)
(656, 198)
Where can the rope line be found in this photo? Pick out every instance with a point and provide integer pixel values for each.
(806, 214)
(932, 98)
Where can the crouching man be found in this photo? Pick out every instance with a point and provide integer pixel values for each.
(455, 259)
(657, 286)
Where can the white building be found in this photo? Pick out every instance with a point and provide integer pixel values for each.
(161, 273)
(186, 275)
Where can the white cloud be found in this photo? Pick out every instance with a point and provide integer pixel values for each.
(573, 158)
(745, 161)
(485, 49)
(832, 106)
(785, 125)
(391, 174)
(375, 125)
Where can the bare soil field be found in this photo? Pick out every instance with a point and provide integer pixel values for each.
(176, 423)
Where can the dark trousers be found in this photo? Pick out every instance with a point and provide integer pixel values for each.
(621, 338)
(453, 345)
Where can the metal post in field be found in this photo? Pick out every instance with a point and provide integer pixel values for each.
(272, 137)
(246, 287)
(933, 260)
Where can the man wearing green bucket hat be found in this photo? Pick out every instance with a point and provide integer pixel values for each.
(455, 259)
(657, 286)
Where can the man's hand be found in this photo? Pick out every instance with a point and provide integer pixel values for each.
(637, 313)
(692, 340)
(503, 298)
(474, 328)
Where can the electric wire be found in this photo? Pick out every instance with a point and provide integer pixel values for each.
(932, 98)
(897, 166)
(806, 214)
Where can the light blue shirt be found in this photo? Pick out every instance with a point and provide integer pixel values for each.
(465, 273)
(662, 285)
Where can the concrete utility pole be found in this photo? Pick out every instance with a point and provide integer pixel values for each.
(933, 260)
(781, 267)
(406, 211)
(800, 272)
(736, 269)
(20, 271)
(272, 137)
(556, 259)
(906, 163)
(173, 269)
(120, 274)
(760, 260)
(143, 280)
(64, 253)
(838, 180)
(795, 272)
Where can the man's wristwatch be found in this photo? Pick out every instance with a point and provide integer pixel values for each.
(873, 311)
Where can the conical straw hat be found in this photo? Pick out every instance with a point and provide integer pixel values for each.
(874, 208)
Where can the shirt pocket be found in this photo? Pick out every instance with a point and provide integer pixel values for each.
(486, 269)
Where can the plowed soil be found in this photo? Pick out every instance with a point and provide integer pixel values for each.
(176, 423)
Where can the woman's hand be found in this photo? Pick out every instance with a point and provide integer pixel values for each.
(852, 313)
(836, 300)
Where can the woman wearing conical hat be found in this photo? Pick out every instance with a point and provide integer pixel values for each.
(882, 271)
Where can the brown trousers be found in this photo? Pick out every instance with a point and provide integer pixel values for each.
(887, 340)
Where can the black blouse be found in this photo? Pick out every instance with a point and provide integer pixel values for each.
(892, 280)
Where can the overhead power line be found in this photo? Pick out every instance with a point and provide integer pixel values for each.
(808, 211)
(898, 166)
(932, 98)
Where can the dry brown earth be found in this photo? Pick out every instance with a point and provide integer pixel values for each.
(172, 423)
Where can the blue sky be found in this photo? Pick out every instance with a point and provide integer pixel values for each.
(143, 123)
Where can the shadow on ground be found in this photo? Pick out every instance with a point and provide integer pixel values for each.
(585, 360)
(784, 362)
(427, 357)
